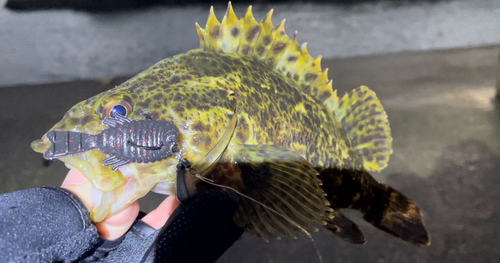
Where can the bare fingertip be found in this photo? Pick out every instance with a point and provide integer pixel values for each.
(118, 224)
(74, 177)
(158, 217)
(125, 216)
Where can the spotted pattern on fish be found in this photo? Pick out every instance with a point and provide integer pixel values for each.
(255, 112)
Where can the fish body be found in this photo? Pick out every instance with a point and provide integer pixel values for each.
(253, 111)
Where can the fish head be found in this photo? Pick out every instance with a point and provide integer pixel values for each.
(195, 112)
(68, 140)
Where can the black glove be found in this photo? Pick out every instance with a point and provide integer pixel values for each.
(53, 224)
(200, 231)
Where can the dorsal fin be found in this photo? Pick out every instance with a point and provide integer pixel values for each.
(245, 36)
(270, 44)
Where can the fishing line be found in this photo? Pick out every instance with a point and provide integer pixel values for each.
(212, 182)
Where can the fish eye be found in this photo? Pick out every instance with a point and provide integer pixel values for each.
(118, 109)
(113, 108)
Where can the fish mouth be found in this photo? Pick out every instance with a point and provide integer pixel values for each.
(41, 145)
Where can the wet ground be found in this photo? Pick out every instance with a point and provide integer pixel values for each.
(446, 130)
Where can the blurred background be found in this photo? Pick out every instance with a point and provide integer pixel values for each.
(433, 64)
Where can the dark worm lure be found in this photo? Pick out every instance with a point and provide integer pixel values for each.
(124, 141)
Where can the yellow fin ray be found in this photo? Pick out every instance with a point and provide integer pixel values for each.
(231, 28)
(289, 60)
(276, 223)
(304, 186)
(250, 32)
(304, 62)
(365, 121)
(297, 194)
(256, 226)
(212, 36)
(301, 205)
(265, 39)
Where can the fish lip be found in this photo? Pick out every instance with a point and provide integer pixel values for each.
(40, 145)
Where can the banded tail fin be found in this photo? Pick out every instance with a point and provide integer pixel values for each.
(398, 215)
(381, 205)
(365, 121)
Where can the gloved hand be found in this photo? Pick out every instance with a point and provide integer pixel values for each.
(53, 224)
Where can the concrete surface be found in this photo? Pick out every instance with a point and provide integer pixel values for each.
(446, 131)
(498, 78)
(62, 45)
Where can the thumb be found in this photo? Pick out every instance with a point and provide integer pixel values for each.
(113, 226)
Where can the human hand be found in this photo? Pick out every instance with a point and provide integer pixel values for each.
(50, 224)
(114, 226)
(210, 232)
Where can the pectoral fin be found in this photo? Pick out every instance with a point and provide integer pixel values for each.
(207, 163)
(285, 190)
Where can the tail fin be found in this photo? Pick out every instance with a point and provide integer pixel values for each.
(398, 215)
(381, 205)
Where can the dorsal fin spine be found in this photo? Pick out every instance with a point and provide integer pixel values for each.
(246, 36)
(264, 41)
(278, 45)
(230, 23)
(201, 35)
(214, 31)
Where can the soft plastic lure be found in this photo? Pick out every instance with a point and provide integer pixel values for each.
(125, 141)
(253, 111)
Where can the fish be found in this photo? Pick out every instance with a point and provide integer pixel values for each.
(254, 112)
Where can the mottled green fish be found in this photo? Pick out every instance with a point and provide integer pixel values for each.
(251, 110)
